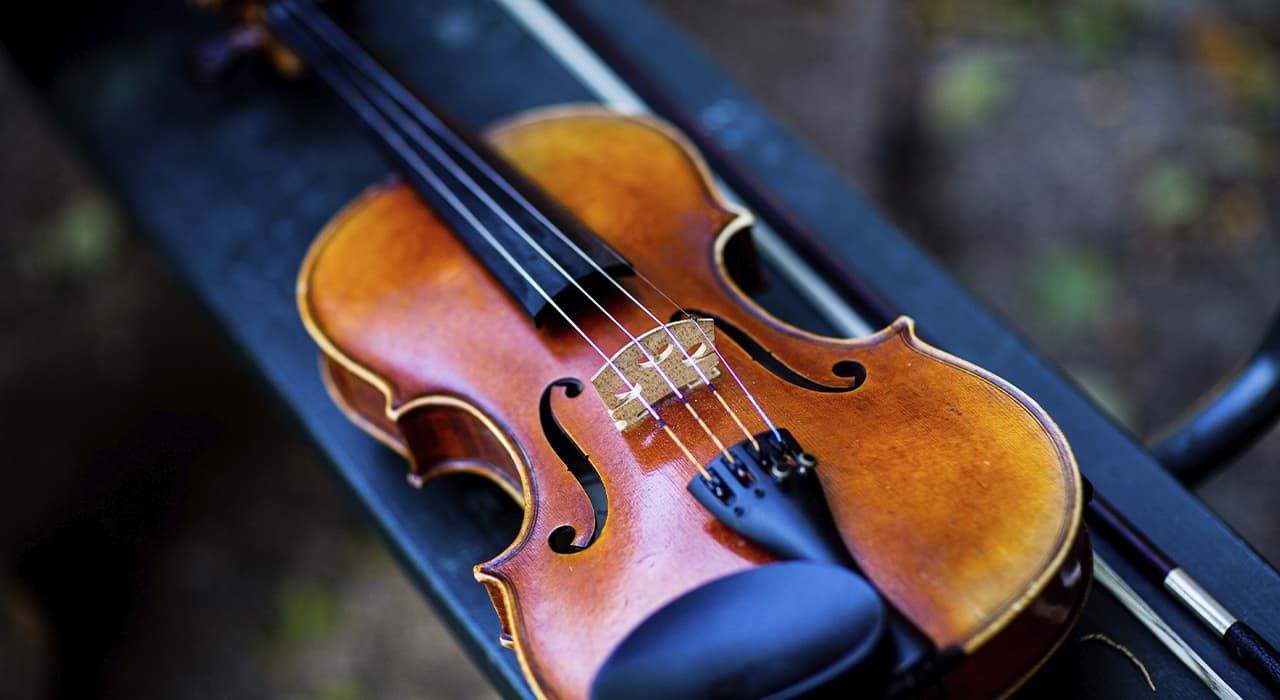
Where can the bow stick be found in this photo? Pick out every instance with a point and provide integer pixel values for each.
(1253, 652)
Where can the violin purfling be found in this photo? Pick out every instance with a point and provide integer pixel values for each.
(716, 503)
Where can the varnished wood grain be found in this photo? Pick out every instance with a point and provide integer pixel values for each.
(956, 494)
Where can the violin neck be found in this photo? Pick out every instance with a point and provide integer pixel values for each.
(537, 251)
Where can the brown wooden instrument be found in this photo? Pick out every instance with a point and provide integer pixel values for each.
(594, 406)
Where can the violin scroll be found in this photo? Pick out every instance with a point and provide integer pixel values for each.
(215, 57)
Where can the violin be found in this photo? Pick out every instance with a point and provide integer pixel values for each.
(716, 503)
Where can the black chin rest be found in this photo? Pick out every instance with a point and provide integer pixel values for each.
(774, 631)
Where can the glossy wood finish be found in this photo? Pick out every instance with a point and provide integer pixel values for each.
(956, 494)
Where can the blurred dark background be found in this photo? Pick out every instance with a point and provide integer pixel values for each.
(1102, 174)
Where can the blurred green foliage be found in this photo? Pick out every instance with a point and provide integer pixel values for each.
(335, 689)
(340, 689)
(1238, 61)
(1072, 288)
(81, 239)
(1096, 30)
(1091, 30)
(966, 91)
(306, 611)
(1171, 194)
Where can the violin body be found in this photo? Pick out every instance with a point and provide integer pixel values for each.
(954, 492)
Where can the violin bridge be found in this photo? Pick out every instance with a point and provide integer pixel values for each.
(624, 404)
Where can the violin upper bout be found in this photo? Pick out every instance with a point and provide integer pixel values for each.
(364, 286)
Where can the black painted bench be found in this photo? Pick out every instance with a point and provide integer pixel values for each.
(234, 179)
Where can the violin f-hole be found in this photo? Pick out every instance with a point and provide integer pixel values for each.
(561, 538)
(848, 369)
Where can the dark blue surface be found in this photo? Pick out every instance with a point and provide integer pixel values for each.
(234, 179)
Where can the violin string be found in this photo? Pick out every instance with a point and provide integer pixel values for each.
(737, 380)
(407, 101)
(334, 38)
(368, 111)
